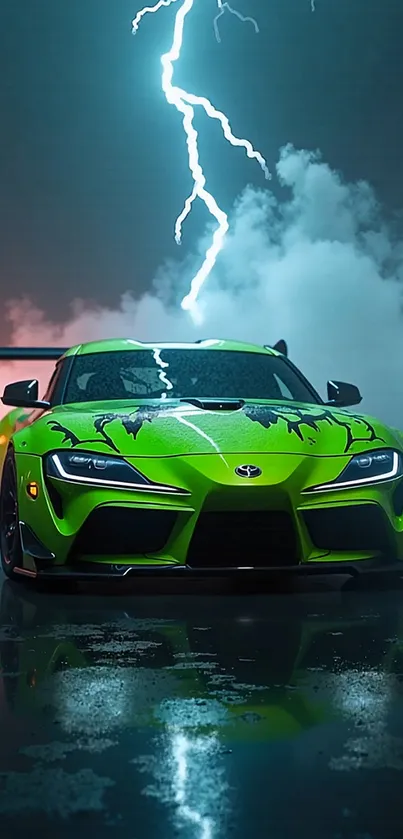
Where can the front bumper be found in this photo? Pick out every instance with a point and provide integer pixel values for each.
(230, 529)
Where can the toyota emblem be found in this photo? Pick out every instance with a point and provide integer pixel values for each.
(248, 471)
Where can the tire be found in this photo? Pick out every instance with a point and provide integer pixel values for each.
(10, 540)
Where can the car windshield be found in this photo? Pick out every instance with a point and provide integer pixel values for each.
(178, 374)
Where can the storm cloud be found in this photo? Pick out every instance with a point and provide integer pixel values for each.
(316, 264)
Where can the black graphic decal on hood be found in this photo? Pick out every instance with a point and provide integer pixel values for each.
(297, 418)
(68, 436)
(132, 423)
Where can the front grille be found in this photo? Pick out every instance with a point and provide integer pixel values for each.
(360, 527)
(231, 539)
(124, 531)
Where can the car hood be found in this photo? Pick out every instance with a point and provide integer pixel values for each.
(159, 430)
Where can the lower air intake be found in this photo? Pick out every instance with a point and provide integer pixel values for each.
(263, 538)
(359, 527)
(124, 531)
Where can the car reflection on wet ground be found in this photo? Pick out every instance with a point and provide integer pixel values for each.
(201, 716)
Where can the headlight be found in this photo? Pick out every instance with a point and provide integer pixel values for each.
(103, 471)
(369, 468)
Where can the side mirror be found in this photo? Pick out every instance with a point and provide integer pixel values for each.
(342, 394)
(23, 395)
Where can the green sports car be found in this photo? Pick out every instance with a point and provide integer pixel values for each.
(211, 457)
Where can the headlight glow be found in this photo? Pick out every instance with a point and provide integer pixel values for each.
(103, 471)
(369, 468)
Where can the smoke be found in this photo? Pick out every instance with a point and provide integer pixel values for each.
(317, 266)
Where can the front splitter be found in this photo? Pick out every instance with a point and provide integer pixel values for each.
(87, 571)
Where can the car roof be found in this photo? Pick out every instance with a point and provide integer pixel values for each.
(128, 344)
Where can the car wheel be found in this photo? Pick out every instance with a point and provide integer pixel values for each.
(10, 540)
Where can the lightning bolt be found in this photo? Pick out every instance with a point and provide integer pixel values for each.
(147, 10)
(222, 8)
(185, 104)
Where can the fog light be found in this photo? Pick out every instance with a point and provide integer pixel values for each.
(33, 490)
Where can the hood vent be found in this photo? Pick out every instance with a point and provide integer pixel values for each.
(216, 404)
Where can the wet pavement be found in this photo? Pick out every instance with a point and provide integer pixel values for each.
(201, 715)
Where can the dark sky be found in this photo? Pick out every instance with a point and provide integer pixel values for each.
(93, 166)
